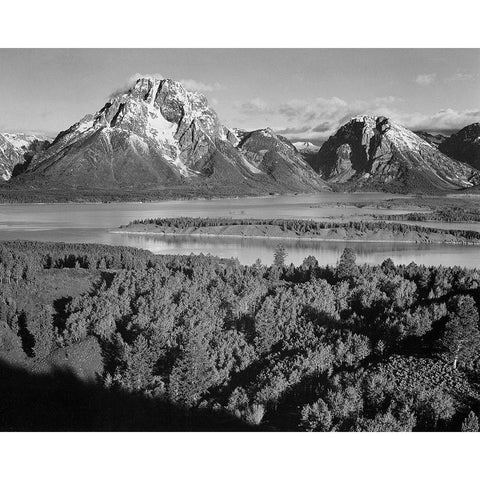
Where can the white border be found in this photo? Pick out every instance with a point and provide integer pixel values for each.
(247, 24)
(290, 456)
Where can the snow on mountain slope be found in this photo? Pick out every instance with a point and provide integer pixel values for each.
(376, 152)
(157, 134)
(15, 149)
(306, 147)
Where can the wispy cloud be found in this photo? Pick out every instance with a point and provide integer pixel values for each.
(460, 77)
(253, 107)
(188, 83)
(318, 119)
(191, 84)
(425, 79)
(131, 81)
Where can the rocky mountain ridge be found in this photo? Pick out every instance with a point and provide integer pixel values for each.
(158, 134)
(16, 149)
(375, 152)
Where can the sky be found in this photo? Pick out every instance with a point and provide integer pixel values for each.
(305, 94)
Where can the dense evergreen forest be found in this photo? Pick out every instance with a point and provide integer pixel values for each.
(310, 227)
(447, 214)
(19, 194)
(346, 347)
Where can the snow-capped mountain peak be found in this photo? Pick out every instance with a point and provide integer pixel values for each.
(306, 147)
(377, 150)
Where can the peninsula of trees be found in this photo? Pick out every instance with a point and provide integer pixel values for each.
(378, 231)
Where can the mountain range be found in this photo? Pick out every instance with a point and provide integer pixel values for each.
(159, 137)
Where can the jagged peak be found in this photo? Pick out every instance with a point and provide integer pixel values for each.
(372, 120)
(267, 132)
(147, 88)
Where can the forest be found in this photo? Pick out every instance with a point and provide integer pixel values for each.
(442, 214)
(346, 347)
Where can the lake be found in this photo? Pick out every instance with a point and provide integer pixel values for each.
(93, 223)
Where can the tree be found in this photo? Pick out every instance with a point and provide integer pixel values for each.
(387, 422)
(40, 326)
(316, 417)
(346, 267)
(388, 266)
(433, 406)
(461, 336)
(309, 263)
(136, 374)
(10, 344)
(193, 373)
(470, 424)
(254, 414)
(279, 256)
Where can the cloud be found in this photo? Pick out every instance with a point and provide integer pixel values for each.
(445, 119)
(191, 84)
(322, 127)
(292, 130)
(387, 100)
(460, 77)
(319, 118)
(253, 107)
(426, 79)
(130, 82)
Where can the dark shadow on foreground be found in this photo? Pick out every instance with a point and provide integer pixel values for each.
(62, 402)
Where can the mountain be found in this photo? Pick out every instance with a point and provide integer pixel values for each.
(276, 156)
(16, 149)
(464, 145)
(160, 135)
(376, 153)
(433, 139)
(306, 147)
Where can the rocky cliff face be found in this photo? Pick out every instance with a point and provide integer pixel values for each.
(277, 157)
(16, 149)
(374, 152)
(157, 134)
(464, 145)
